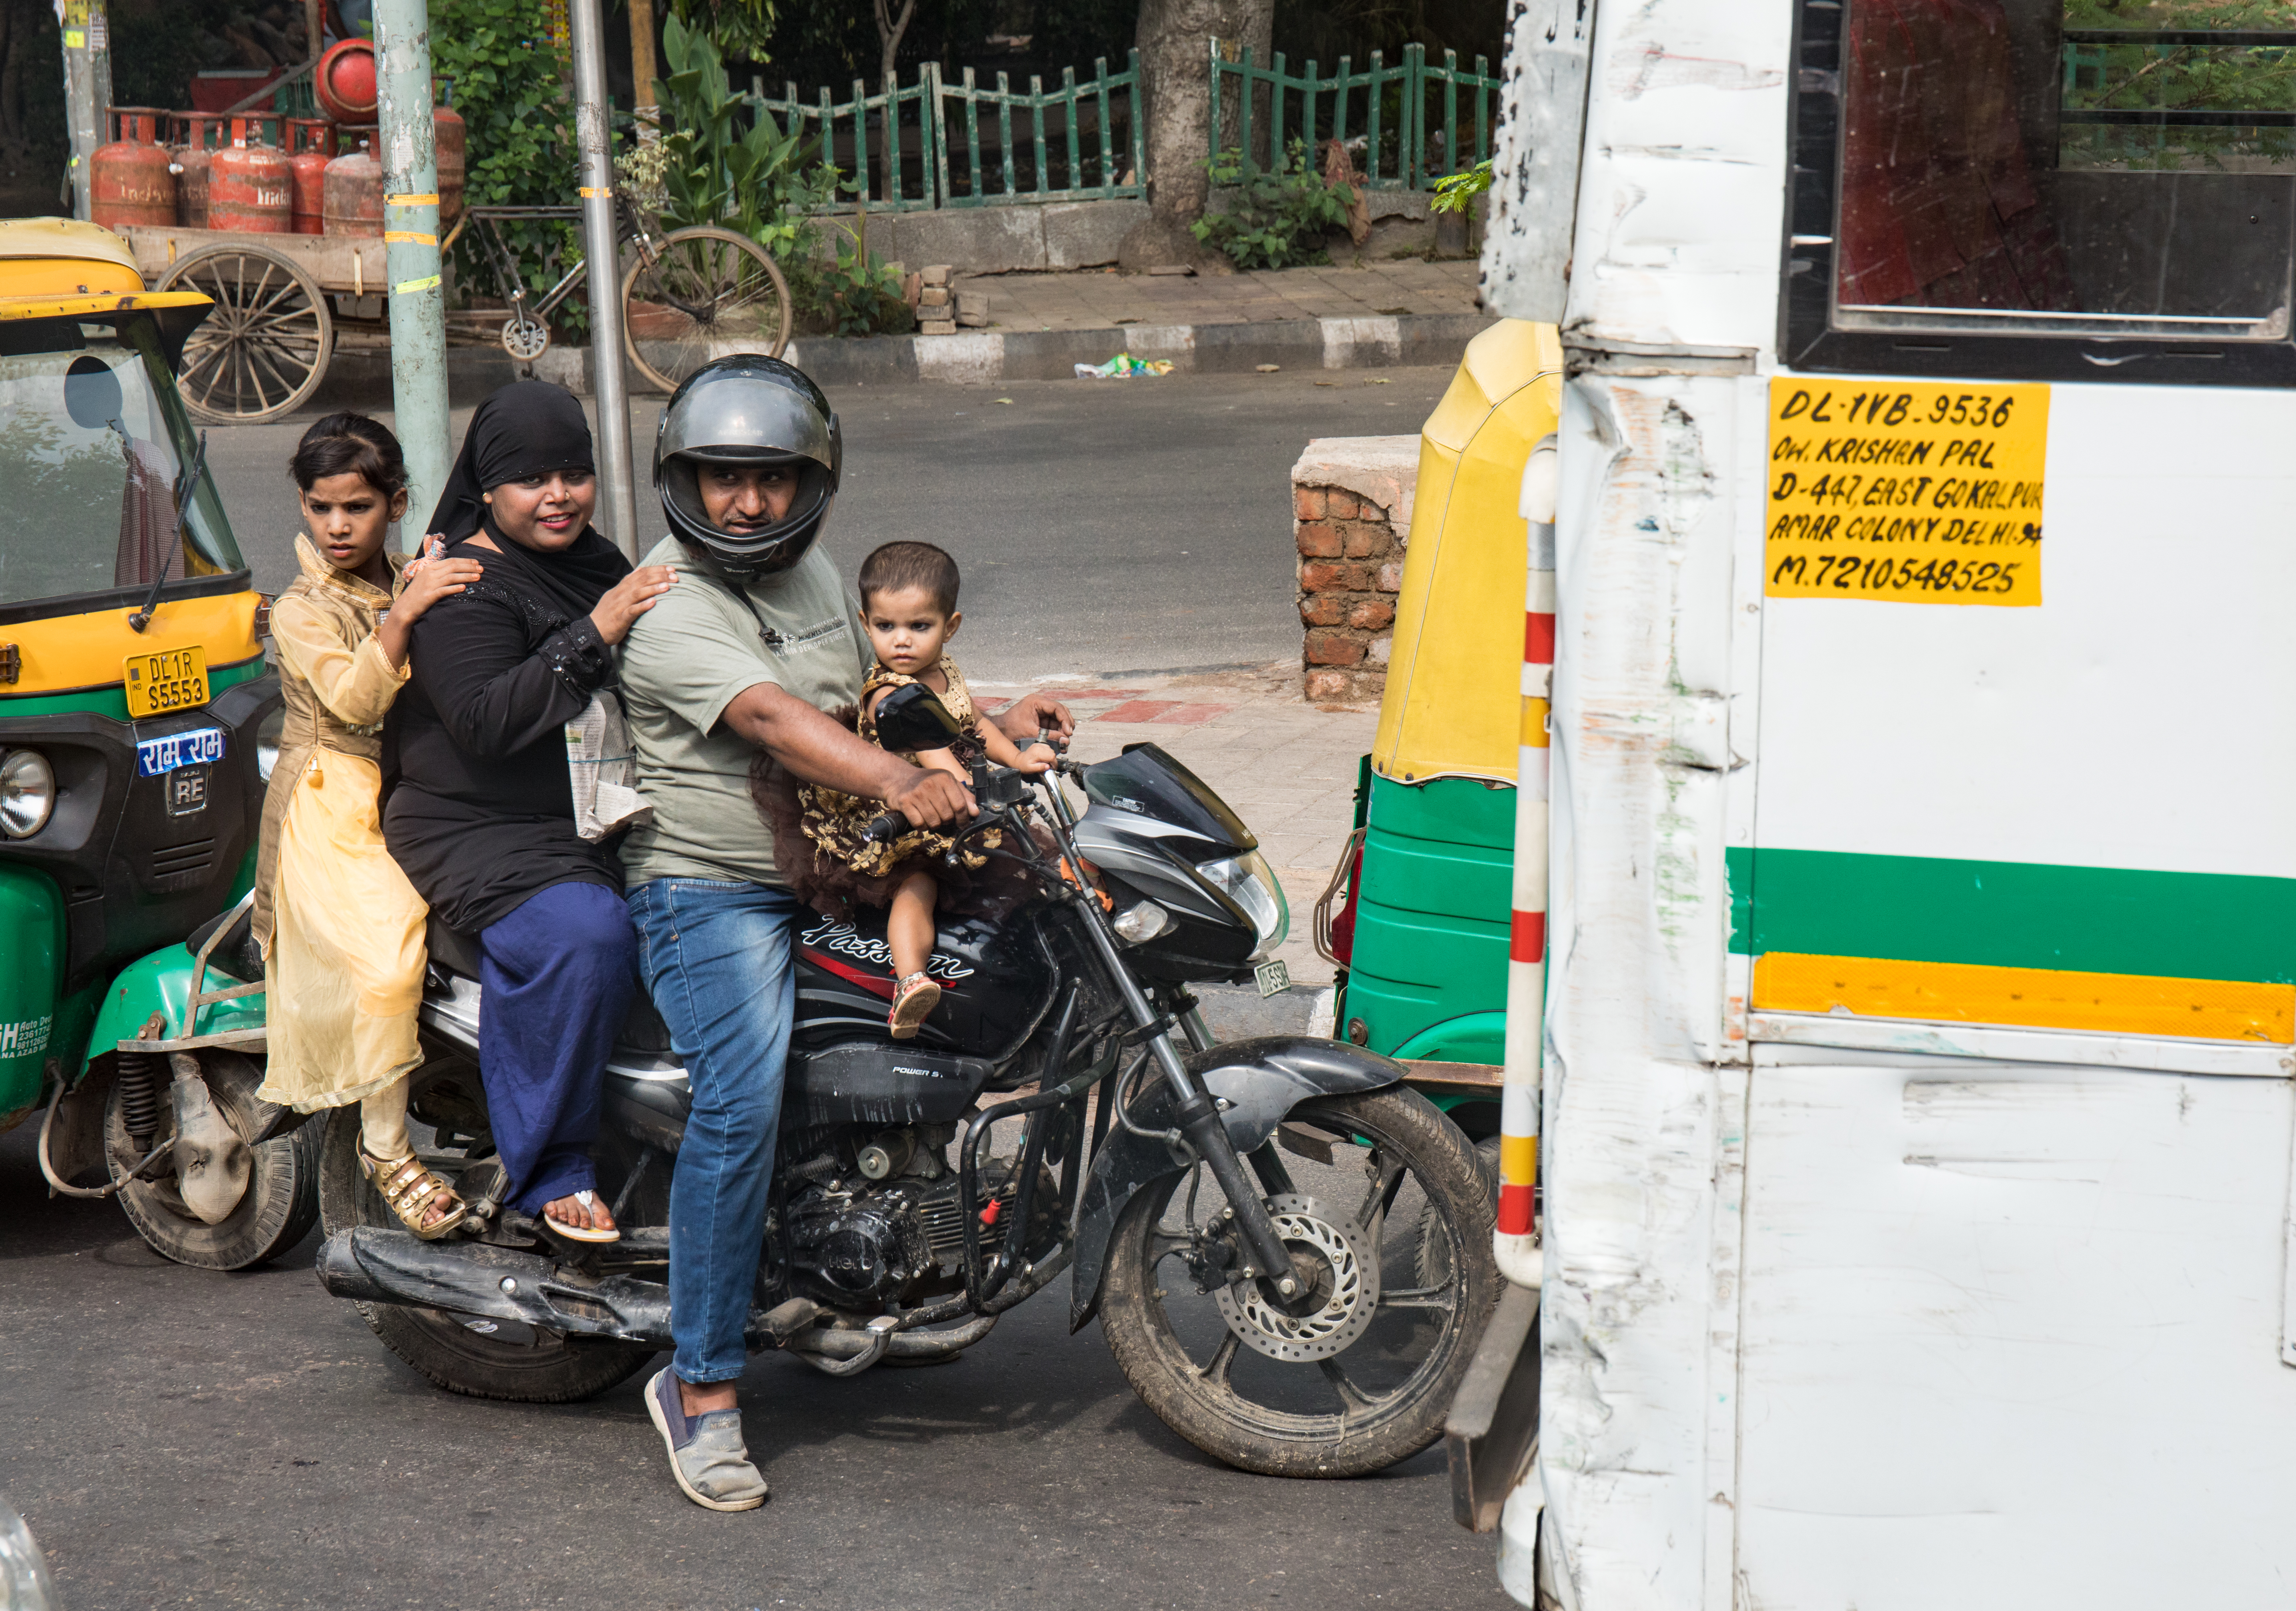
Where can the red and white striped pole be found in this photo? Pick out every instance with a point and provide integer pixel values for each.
(1516, 1240)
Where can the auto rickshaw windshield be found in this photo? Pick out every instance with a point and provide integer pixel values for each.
(94, 447)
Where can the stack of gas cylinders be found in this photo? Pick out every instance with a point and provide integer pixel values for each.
(261, 173)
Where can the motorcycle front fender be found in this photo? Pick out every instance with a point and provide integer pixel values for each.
(1257, 1082)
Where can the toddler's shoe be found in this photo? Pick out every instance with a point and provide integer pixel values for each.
(914, 1000)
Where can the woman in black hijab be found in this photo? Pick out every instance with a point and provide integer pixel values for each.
(481, 810)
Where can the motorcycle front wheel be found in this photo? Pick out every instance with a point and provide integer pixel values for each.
(471, 1354)
(1393, 1235)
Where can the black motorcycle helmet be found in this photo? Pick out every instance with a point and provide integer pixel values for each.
(746, 409)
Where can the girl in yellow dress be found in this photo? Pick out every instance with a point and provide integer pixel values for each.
(340, 928)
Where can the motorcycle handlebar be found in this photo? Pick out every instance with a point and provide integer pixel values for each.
(885, 827)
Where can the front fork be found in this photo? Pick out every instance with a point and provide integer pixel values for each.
(1200, 1124)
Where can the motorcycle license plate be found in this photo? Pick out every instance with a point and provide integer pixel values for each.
(1273, 977)
(156, 757)
(173, 679)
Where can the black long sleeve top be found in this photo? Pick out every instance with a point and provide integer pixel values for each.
(480, 814)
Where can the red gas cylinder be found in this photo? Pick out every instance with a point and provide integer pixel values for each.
(344, 82)
(312, 140)
(133, 178)
(453, 144)
(354, 190)
(194, 156)
(252, 188)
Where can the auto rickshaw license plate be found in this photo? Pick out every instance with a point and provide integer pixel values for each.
(174, 679)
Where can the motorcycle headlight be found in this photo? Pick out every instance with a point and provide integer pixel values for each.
(1248, 881)
(24, 1581)
(28, 794)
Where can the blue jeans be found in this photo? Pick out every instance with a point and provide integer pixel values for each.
(718, 958)
(556, 979)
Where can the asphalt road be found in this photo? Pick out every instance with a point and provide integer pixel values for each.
(178, 1437)
(1103, 526)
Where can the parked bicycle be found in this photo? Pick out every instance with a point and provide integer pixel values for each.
(688, 296)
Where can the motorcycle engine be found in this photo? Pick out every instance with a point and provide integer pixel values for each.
(859, 1250)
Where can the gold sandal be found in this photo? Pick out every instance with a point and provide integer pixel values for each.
(410, 1188)
(914, 1000)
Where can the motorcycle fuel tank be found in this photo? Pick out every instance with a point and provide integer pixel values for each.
(995, 982)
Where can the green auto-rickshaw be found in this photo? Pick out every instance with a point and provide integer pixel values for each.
(134, 710)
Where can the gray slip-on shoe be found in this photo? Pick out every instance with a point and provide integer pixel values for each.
(706, 1455)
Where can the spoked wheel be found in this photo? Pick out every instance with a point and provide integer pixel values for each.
(214, 1203)
(708, 291)
(525, 340)
(473, 1355)
(1393, 1240)
(263, 351)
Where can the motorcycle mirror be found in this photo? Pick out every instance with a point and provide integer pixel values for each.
(92, 393)
(911, 718)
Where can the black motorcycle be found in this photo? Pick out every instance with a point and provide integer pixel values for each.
(1289, 1249)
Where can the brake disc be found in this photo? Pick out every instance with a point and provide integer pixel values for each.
(1348, 1261)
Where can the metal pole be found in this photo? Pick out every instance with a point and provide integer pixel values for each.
(1515, 1241)
(410, 237)
(88, 92)
(617, 507)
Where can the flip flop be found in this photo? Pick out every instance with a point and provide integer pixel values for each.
(580, 1233)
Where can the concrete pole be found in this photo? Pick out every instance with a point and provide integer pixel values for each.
(617, 507)
(411, 264)
(88, 92)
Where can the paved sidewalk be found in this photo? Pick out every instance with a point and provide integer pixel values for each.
(1286, 767)
(1408, 287)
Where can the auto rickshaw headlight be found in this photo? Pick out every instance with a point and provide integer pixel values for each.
(28, 792)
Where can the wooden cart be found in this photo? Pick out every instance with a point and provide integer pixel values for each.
(283, 303)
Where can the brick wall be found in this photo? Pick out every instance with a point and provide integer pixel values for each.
(1351, 511)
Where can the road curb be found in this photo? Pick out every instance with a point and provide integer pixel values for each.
(986, 356)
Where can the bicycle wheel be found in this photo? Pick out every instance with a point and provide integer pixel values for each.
(708, 291)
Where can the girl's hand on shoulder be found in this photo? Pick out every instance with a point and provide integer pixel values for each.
(430, 580)
(630, 598)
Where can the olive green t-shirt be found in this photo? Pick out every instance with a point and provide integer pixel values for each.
(688, 658)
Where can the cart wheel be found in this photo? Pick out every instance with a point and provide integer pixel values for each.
(525, 341)
(263, 351)
(706, 293)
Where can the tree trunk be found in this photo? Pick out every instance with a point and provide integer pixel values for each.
(1174, 39)
(889, 30)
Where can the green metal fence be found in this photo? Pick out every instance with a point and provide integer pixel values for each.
(1407, 117)
(1086, 159)
(909, 184)
(958, 145)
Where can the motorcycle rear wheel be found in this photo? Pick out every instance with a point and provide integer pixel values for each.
(479, 1357)
(1387, 1388)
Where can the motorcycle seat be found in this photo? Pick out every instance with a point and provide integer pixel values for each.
(452, 949)
(236, 952)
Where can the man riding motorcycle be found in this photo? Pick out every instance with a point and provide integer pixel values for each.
(749, 652)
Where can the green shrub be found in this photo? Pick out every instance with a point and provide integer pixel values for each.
(1280, 212)
(504, 70)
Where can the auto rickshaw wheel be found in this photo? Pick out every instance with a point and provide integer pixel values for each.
(276, 1209)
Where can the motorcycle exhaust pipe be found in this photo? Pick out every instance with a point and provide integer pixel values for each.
(371, 1265)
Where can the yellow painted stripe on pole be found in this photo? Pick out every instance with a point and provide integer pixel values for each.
(1534, 723)
(2025, 998)
(1518, 1160)
(408, 287)
(409, 237)
(412, 200)
(593, 192)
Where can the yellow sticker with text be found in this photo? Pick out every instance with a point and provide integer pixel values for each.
(1905, 491)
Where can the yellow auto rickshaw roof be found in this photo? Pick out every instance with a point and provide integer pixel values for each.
(63, 238)
(96, 306)
(1454, 702)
